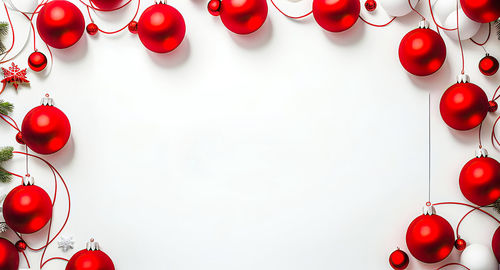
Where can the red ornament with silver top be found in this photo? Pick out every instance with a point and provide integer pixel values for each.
(9, 259)
(488, 65)
(336, 16)
(91, 258)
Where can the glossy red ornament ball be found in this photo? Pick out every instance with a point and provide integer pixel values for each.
(370, 5)
(336, 16)
(495, 244)
(422, 52)
(37, 61)
(460, 244)
(480, 180)
(488, 65)
(9, 256)
(132, 27)
(161, 28)
(19, 138)
(45, 129)
(243, 16)
(60, 24)
(92, 29)
(399, 260)
(464, 106)
(214, 7)
(27, 209)
(493, 106)
(430, 238)
(90, 260)
(483, 11)
(106, 4)
(21, 245)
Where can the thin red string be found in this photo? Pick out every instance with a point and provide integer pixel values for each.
(421, 16)
(468, 205)
(480, 127)
(290, 16)
(435, 22)
(2, 116)
(13, 38)
(450, 264)
(460, 43)
(11, 173)
(487, 38)
(26, 258)
(119, 30)
(377, 25)
(101, 9)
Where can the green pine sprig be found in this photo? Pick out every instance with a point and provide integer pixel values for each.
(497, 26)
(6, 107)
(5, 155)
(4, 30)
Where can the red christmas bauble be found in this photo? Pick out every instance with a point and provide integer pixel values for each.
(495, 244)
(27, 209)
(60, 24)
(243, 16)
(106, 4)
(45, 129)
(92, 29)
(21, 245)
(19, 138)
(399, 260)
(430, 238)
(493, 106)
(132, 27)
(161, 28)
(90, 260)
(370, 5)
(214, 7)
(336, 16)
(480, 180)
(488, 65)
(464, 106)
(9, 256)
(422, 52)
(37, 61)
(483, 11)
(460, 244)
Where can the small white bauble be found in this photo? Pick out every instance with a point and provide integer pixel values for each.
(468, 27)
(479, 257)
(397, 8)
(443, 8)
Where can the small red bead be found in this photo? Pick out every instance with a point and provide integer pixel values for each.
(214, 7)
(92, 29)
(488, 65)
(399, 260)
(132, 27)
(493, 106)
(19, 138)
(37, 61)
(460, 244)
(370, 5)
(21, 245)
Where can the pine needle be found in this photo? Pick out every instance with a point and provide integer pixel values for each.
(497, 26)
(6, 153)
(5, 177)
(6, 107)
(4, 30)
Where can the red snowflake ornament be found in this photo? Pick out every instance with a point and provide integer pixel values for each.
(14, 75)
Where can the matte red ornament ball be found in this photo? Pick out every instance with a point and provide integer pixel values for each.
(422, 52)
(92, 29)
(336, 16)
(370, 5)
(430, 238)
(464, 106)
(460, 244)
(21, 245)
(27, 209)
(106, 4)
(90, 260)
(37, 61)
(9, 256)
(483, 11)
(493, 106)
(214, 7)
(60, 24)
(161, 28)
(243, 16)
(45, 129)
(480, 180)
(488, 65)
(495, 244)
(399, 260)
(132, 27)
(19, 138)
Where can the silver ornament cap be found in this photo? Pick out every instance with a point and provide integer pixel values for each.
(481, 152)
(463, 78)
(28, 180)
(92, 245)
(423, 24)
(429, 209)
(47, 101)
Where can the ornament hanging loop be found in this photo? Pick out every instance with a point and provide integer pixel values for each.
(429, 209)
(47, 101)
(92, 245)
(481, 152)
(28, 180)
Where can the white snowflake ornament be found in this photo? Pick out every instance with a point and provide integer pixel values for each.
(3, 227)
(65, 243)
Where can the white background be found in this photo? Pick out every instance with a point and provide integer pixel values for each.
(288, 149)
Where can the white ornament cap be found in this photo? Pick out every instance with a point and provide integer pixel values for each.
(92, 245)
(481, 152)
(429, 209)
(463, 78)
(28, 180)
(423, 24)
(47, 101)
